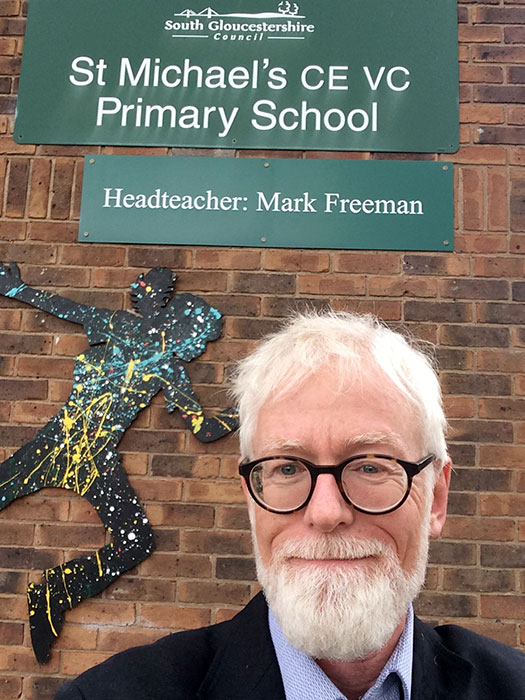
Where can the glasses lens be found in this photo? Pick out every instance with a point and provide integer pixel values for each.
(375, 484)
(281, 484)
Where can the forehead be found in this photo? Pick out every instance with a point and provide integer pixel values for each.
(323, 417)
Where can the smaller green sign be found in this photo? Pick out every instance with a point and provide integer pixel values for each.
(281, 203)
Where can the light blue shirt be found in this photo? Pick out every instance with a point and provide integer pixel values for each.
(303, 679)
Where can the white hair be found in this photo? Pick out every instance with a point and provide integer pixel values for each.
(348, 344)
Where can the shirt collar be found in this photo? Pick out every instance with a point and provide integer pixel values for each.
(303, 679)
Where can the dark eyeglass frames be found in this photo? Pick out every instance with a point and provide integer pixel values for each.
(371, 483)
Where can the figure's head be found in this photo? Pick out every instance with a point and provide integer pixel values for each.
(151, 292)
(191, 323)
(327, 388)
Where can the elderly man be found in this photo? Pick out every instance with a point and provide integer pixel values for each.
(346, 475)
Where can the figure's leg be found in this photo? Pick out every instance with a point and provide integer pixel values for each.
(65, 586)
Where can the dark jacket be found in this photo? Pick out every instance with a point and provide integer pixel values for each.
(235, 660)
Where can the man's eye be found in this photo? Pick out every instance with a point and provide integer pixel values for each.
(288, 469)
(370, 469)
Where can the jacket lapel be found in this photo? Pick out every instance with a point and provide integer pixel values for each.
(244, 665)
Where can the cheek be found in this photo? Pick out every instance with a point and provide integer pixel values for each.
(271, 530)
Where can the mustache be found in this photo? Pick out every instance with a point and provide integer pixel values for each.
(330, 547)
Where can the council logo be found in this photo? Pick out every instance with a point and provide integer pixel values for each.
(283, 24)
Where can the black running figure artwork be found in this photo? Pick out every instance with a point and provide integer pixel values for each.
(131, 358)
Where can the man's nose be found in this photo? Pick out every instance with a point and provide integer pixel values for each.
(327, 508)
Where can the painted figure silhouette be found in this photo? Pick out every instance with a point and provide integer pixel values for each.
(131, 358)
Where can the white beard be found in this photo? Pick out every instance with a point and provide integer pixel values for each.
(342, 613)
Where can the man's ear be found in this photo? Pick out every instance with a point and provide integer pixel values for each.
(438, 512)
(245, 491)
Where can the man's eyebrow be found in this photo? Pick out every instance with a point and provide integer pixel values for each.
(358, 441)
(389, 439)
(281, 444)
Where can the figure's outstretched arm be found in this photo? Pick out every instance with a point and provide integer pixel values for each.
(11, 285)
(182, 397)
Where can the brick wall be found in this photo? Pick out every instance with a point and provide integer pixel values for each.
(469, 302)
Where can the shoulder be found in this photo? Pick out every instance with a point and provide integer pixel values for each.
(172, 667)
(479, 649)
(175, 666)
(493, 669)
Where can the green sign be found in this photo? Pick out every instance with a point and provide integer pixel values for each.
(289, 203)
(340, 75)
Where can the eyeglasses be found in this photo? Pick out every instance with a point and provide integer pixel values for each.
(371, 483)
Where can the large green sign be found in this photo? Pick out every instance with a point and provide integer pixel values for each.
(390, 205)
(373, 75)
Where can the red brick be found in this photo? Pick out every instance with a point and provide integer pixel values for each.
(501, 360)
(28, 253)
(507, 607)
(44, 367)
(175, 565)
(332, 284)
(157, 489)
(34, 413)
(458, 406)
(447, 264)
(160, 256)
(217, 259)
(498, 15)
(54, 232)
(498, 267)
(502, 134)
(502, 456)
(469, 528)
(514, 35)
(137, 589)
(233, 517)
(76, 662)
(481, 114)
(263, 283)
(498, 54)
(61, 188)
(97, 612)
(481, 155)
(216, 542)
(214, 492)
(21, 660)
(480, 243)
(372, 262)
(17, 188)
(77, 637)
(207, 592)
(512, 409)
(92, 255)
(39, 188)
(480, 74)
(474, 289)
(431, 603)
(497, 208)
(477, 580)
(402, 286)
(301, 261)
(76, 192)
(468, 33)
(171, 616)
(10, 687)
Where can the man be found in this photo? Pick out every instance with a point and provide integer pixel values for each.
(346, 475)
